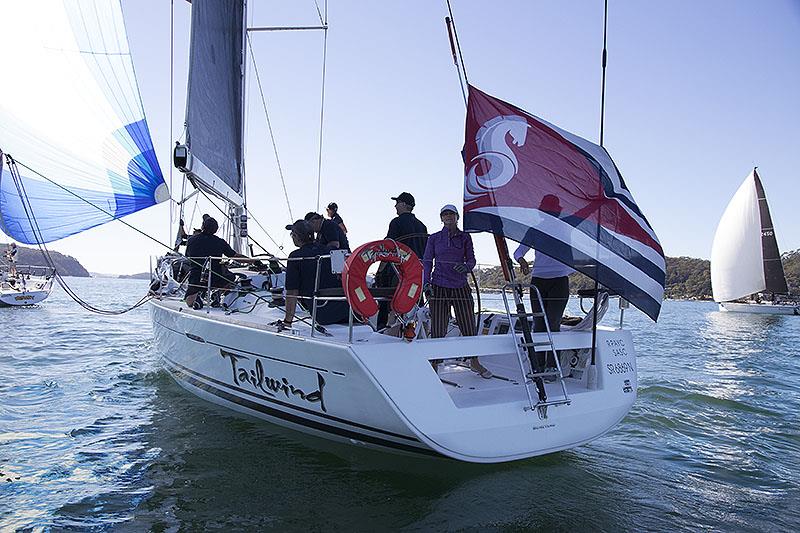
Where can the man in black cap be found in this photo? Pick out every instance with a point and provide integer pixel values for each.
(301, 276)
(329, 234)
(407, 229)
(201, 247)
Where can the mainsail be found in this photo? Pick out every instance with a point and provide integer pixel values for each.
(532, 182)
(744, 256)
(72, 119)
(215, 95)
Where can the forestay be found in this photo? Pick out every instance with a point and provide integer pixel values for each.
(532, 182)
(744, 256)
(71, 113)
(214, 100)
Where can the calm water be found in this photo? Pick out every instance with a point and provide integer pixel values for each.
(94, 435)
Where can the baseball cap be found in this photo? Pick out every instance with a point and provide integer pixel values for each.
(448, 207)
(406, 198)
(300, 227)
(333, 206)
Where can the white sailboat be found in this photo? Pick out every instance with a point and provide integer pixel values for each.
(378, 389)
(22, 285)
(745, 260)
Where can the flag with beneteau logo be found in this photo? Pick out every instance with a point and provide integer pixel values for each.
(534, 183)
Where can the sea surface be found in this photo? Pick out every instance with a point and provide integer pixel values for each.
(95, 435)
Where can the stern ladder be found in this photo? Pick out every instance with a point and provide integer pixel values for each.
(526, 348)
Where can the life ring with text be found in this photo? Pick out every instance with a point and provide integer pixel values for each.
(354, 276)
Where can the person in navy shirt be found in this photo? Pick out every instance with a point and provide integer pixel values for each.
(201, 247)
(301, 276)
(329, 234)
(333, 214)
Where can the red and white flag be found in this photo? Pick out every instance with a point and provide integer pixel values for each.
(532, 182)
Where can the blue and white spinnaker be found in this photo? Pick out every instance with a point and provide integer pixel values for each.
(72, 118)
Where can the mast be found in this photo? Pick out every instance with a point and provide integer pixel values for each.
(238, 213)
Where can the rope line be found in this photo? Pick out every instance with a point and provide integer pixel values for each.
(269, 126)
(20, 186)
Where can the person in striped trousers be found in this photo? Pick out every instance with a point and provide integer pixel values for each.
(449, 257)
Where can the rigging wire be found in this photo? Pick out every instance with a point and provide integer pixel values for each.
(269, 126)
(458, 44)
(20, 186)
(322, 102)
(450, 30)
(171, 98)
(250, 215)
(319, 13)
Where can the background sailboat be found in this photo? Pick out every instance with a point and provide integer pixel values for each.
(745, 259)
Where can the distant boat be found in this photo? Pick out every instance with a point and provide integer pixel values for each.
(745, 260)
(25, 285)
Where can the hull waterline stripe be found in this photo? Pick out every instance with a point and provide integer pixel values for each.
(295, 419)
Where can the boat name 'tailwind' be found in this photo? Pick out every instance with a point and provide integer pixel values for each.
(258, 379)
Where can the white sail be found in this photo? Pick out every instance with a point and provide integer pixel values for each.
(737, 262)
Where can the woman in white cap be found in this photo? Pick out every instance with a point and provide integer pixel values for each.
(449, 257)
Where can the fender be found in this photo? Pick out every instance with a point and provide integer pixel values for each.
(354, 276)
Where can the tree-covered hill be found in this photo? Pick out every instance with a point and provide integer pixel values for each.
(65, 264)
(687, 277)
(791, 265)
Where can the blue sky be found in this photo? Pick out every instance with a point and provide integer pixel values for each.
(697, 94)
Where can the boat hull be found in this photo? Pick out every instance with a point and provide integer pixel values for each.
(761, 309)
(22, 298)
(384, 393)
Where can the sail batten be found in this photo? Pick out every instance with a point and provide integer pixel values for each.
(215, 97)
(72, 112)
(532, 182)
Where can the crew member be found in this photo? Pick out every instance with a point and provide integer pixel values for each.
(333, 214)
(11, 257)
(199, 249)
(550, 276)
(449, 257)
(329, 234)
(301, 278)
(407, 229)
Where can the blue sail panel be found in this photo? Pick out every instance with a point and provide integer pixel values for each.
(82, 144)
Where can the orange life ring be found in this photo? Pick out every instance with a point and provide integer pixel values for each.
(354, 276)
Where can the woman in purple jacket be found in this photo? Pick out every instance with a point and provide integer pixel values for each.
(449, 257)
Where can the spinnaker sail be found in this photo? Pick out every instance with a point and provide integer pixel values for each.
(744, 256)
(534, 183)
(72, 119)
(215, 98)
